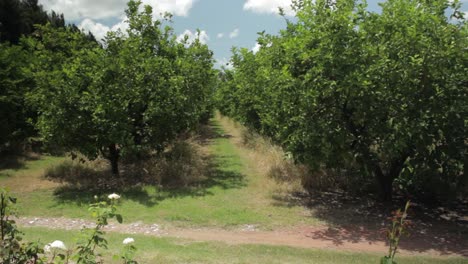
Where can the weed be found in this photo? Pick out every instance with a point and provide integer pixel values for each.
(399, 226)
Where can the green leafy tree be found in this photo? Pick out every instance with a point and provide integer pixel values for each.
(14, 112)
(378, 95)
(132, 97)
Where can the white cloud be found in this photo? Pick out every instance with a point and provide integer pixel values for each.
(226, 63)
(269, 6)
(256, 48)
(122, 25)
(88, 11)
(74, 10)
(220, 35)
(202, 35)
(176, 7)
(100, 30)
(102, 9)
(234, 33)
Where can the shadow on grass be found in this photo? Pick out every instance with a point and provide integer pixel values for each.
(206, 134)
(81, 190)
(16, 162)
(354, 219)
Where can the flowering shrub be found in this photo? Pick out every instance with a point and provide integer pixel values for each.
(113, 196)
(129, 251)
(56, 251)
(13, 251)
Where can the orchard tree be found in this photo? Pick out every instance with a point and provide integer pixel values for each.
(131, 97)
(377, 95)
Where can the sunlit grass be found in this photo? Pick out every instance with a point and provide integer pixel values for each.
(169, 250)
(232, 196)
(25, 175)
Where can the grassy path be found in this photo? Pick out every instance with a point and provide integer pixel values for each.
(229, 212)
(232, 195)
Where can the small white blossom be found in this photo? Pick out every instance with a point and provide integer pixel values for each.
(58, 244)
(114, 196)
(128, 240)
(47, 248)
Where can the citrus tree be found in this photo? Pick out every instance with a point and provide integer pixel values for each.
(130, 97)
(375, 95)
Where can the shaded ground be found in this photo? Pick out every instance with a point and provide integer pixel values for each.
(356, 220)
(91, 182)
(15, 162)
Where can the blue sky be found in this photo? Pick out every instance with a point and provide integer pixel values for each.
(223, 23)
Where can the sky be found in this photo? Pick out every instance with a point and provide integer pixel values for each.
(223, 24)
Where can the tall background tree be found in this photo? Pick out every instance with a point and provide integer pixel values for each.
(18, 19)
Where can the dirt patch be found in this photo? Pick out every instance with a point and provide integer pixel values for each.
(321, 237)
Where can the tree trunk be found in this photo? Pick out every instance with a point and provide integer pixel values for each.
(114, 159)
(385, 182)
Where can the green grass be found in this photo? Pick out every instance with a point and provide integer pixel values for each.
(17, 166)
(232, 196)
(170, 250)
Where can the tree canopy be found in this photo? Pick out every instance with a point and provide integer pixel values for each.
(132, 96)
(373, 95)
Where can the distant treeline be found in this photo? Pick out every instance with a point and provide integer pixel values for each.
(18, 17)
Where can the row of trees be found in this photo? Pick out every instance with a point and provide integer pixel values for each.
(131, 95)
(378, 96)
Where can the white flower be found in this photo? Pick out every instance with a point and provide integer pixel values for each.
(47, 248)
(128, 240)
(58, 244)
(113, 196)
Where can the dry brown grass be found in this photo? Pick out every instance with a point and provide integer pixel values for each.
(273, 162)
(183, 163)
(278, 173)
(27, 173)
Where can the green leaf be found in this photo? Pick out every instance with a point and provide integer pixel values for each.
(386, 260)
(119, 218)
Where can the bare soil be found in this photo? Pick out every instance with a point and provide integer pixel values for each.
(351, 238)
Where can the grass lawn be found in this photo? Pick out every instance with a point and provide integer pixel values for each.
(170, 250)
(232, 196)
(24, 174)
